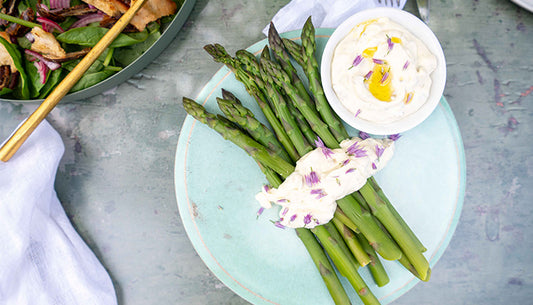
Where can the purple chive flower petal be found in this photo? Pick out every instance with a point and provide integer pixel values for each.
(363, 135)
(311, 179)
(384, 78)
(285, 210)
(293, 217)
(390, 43)
(406, 64)
(395, 136)
(266, 188)
(378, 61)
(367, 76)
(282, 200)
(379, 151)
(260, 211)
(279, 225)
(357, 113)
(307, 219)
(319, 192)
(409, 97)
(357, 60)
(325, 150)
(374, 166)
(350, 170)
(356, 150)
(345, 162)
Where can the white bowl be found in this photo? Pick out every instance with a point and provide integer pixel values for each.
(438, 76)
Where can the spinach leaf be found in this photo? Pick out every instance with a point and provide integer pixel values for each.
(34, 78)
(89, 79)
(22, 90)
(127, 55)
(54, 77)
(5, 91)
(90, 35)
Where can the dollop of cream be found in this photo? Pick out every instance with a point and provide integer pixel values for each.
(307, 197)
(381, 72)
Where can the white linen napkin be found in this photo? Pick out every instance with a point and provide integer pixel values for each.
(325, 13)
(42, 258)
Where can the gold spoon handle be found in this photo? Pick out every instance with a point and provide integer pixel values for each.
(23, 132)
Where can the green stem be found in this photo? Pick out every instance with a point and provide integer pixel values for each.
(20, 21)
(406, 227)
(352, 242)
(344, 265)
(393, 226)
(376, 267)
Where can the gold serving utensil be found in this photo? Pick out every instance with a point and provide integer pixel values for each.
(23, 132)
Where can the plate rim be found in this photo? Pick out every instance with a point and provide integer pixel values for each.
(204, 252)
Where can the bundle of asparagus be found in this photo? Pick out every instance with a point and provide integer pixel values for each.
(365, 222)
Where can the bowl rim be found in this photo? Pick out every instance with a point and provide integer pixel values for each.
(418, 28)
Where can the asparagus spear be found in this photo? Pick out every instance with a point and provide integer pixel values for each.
(404, 240)
(229, 132)
(295, 50)
(312, 71)
(406, 227)
(219, 54)
(239, 114)
(376, 267)
(337, 255)
(352, 242)
(317, 254)
(284, 59)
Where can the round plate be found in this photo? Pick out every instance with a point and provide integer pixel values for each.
(114, 80)
(216, 183)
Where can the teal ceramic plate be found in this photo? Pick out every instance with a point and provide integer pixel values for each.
(116, 79)
(216, 183)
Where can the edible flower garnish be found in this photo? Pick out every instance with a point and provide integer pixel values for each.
(285, 210)
(367, 76)
(369, 52)
(357, 113)
(356, 150)
(312, 178)
(325, 150)
(363, 135)
(390, 44)
(395, 136)
(406, 64)
(374, 167)
(379, 151)
(378, 61)
(357, 61)
(293, 217)
(408, 97)
(307, 219)
(260, 211)
(279, 225)
(345, 162)
(384, 78)
(350, 170)
(319, 192)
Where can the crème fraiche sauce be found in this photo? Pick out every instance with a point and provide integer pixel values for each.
(381, 72)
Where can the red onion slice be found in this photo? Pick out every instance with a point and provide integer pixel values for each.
(49, 25)
(87, 19)
(50, 64)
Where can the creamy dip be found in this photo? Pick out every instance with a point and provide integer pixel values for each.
(381, 72)
(307, 197)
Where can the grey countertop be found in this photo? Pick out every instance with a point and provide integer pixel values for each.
(116, 177)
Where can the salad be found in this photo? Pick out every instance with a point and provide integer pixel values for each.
(42, 41)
